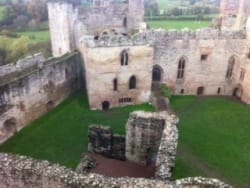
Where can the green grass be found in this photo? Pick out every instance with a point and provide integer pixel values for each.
(173, 24)
(36, 36)
(214, 139)
(166, 4)
(2, 8)
(61, 136)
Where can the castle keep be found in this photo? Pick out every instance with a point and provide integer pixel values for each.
(122, 58)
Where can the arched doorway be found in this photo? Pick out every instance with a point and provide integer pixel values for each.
(157, 74)
(200, 90)
(238, 92)
(105, 105)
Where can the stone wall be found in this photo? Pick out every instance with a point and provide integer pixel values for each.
(103, 66)
(151, 139)
(68, 23)
(19, 172)
(103, 141)
(33, 86)
(62, 18)
(208, 73)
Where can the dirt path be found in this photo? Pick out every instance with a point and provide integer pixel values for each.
(116, 168)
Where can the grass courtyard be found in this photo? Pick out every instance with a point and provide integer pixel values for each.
(61, 136)
(214, 135)
(214, 139)
(178, 24)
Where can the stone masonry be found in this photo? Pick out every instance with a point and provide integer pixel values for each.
(151, 139)
(33, 86)
(103, 141)
(20, 172)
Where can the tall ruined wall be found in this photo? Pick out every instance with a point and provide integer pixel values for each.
(136, 14)
(151, 139)
(99, 19)
(32, 87)
(20, 172)
(103, 65)
(62, 17)
(234, 13)
(103, 141)
(210, 73)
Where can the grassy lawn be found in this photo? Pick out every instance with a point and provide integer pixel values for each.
(214, 139)
(166, 4)
(2, 8)
(36, 36)
(61, 135)
(173, 24)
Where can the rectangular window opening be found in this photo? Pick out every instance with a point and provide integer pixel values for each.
(204, 57)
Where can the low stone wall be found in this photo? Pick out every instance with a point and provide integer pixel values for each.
(103, 141)
(166, 155)
(20, 172)
(33, 86)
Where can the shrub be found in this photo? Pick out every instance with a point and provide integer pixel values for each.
(8, 33)
(166, 92)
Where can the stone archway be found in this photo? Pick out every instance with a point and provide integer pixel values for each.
(9, 128)
(238, 92)
(105, 105)
(157, 73)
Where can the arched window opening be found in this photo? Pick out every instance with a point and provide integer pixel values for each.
(230, 67)
(219, 91)
(181, 68)
(10, 126)
(156, 76)
(132, 83)
(105, 105)
(124, 58)
(115, 84)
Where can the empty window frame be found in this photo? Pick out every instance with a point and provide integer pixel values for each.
(242, 74)
(181, 68)
(115, 84)
(124, 58)
(204, 57)
(132, 82)
(230, 67)
(125, 100)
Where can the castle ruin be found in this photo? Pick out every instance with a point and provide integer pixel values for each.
(122, 58)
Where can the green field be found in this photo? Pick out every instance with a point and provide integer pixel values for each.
(36, 36)
(173, 24)
(166, 4)
(214, 139)
(61, 135)
(2, 8)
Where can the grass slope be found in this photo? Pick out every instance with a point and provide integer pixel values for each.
(214, 139)
(61, 135)
(172, 24)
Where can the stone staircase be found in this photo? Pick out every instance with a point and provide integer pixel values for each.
(160, 101)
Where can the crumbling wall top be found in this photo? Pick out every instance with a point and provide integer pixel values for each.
(34, 173)
(113, 39)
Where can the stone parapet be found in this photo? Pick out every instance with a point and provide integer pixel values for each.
(113, 39)
(20, 171)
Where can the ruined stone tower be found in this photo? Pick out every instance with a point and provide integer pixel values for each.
(61, 19)
(234, 14)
